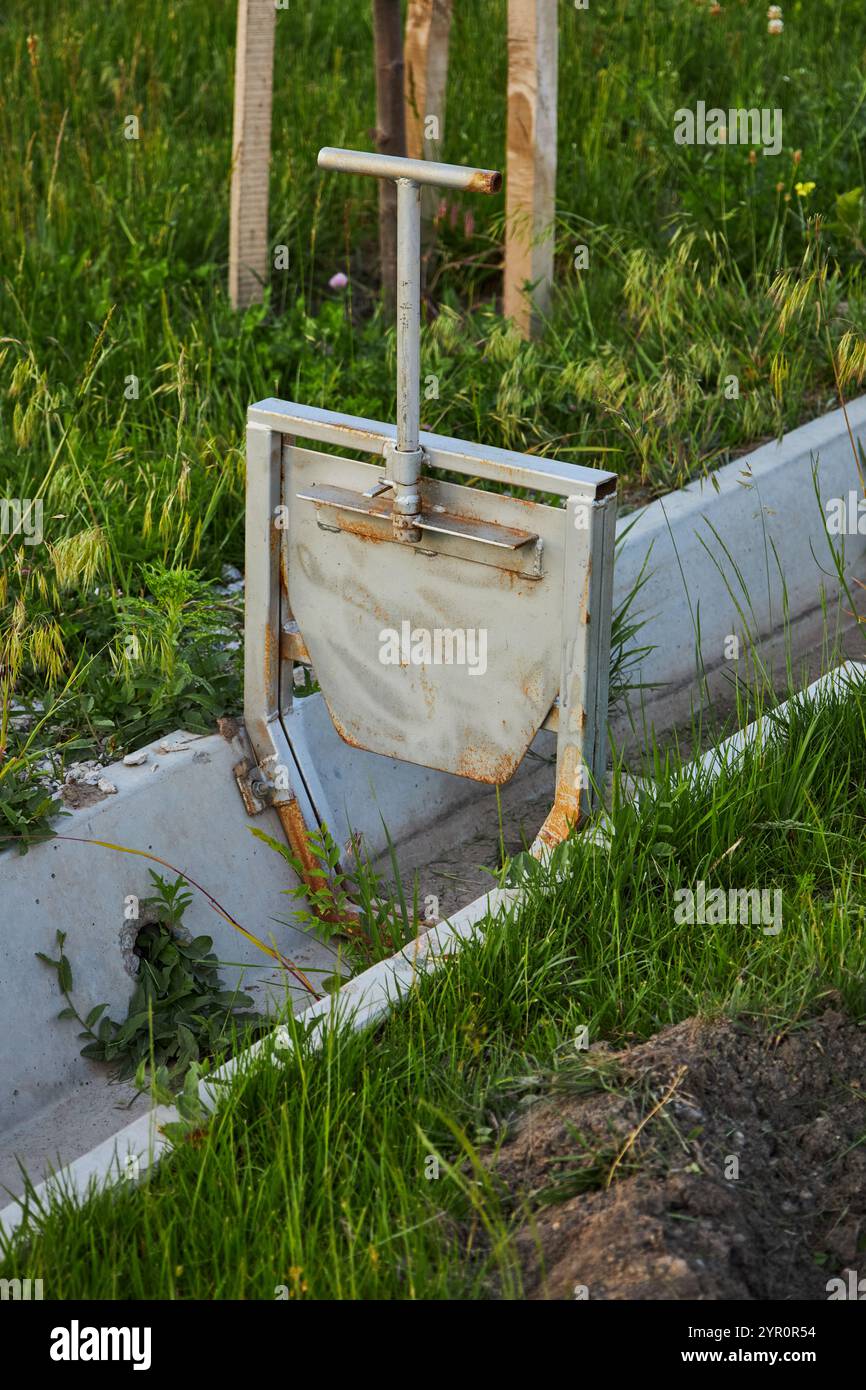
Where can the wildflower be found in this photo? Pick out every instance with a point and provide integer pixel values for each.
(338, 281)
(774, 20)
(753, 157)
(803, 190)
(797, 156)
(715, 9)
(299, 1285)
(780, 187)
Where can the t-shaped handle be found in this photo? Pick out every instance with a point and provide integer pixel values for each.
(405, 457)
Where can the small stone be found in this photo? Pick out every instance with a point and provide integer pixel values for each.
(86, 773)
(136, 759)
(107, 787)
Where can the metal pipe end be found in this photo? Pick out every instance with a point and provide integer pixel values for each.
(486, 181)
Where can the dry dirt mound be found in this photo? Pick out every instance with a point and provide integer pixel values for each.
(747, 1179)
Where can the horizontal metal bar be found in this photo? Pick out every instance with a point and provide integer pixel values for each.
(453, 455)
(389, 166)
(439, 521)
(525, 560)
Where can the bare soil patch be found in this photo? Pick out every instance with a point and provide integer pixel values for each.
(785, 1112)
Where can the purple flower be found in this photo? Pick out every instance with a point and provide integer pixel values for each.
(338, 281)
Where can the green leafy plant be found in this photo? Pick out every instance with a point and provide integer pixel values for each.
(356, 910)
(27, 802)
(180, 1010)
(187, 1101)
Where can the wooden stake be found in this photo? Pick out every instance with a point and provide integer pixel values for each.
(390, 134)
(531, 160)
(249, 252)
(428, 29)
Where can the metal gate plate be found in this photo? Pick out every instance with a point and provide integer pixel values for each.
(371, 610)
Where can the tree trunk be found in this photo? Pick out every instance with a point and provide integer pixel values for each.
(249, 260)
(390, 134)
(428, 28)
(531, 168)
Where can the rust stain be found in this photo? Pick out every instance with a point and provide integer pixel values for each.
(240, 771)
(485, 181)
(376, 534)
(561, 819)
(584, 597)
(346, 916)
(295, 827)
(532, 685)
(294, 648)
(269, 655)
(315, 878)
(480, 766)
(284, 573)
(345, 735)
(428, 691)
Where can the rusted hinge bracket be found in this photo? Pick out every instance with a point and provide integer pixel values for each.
(256, 791)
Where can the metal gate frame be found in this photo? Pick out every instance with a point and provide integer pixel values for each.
(273, 642)
(287, 775)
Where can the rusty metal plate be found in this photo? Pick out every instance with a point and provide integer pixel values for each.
(449, 660)
(442, 533)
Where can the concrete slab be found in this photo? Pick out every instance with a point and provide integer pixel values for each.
(182, 806)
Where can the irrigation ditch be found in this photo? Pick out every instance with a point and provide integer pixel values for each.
(735, 568)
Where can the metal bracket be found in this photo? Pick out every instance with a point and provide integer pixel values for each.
(442, 532)
(256, 791)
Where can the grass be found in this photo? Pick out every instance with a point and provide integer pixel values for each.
(125, 375)
(723, 302)
(317, 1172)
